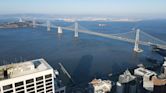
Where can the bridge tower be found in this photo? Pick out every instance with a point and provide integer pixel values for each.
(48, 26)
(34, 23)
(136, 46)
(59, 30)
(76, 30)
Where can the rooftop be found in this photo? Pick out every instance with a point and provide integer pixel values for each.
(142, 71)
(23, 68)
(126, 77)
(101, 86)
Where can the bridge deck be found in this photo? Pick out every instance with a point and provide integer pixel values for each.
(108, 36)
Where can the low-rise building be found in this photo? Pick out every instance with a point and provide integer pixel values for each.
(100, 86)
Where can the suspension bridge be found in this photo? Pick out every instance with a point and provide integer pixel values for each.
(136, 36)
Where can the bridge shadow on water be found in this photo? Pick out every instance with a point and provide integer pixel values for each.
(82, 71)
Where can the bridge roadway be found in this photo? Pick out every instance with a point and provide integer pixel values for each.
(108, 36)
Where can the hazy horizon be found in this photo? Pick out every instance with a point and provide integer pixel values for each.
(118, 8)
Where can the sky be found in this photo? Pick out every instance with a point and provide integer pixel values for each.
(86, 7)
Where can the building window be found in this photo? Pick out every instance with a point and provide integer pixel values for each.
(49, 83)
(49, 80)
(49, 90)
(40, 86)
(29, 81)
(32, 92)
(10, 91)
(30, 85)
(39, 78)
(7, 87)
(48, 76)
(39, 83)
(21, 92)
(20, 88)
(19, 84)
(30, 89)
(47, 87)
(40, 90)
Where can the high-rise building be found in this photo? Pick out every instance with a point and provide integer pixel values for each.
(35, 76)
(126, 83)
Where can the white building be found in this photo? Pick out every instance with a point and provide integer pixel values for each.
(35, 76)
(147, 77)
(100, 86)
(143, 72)
(164, 67)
